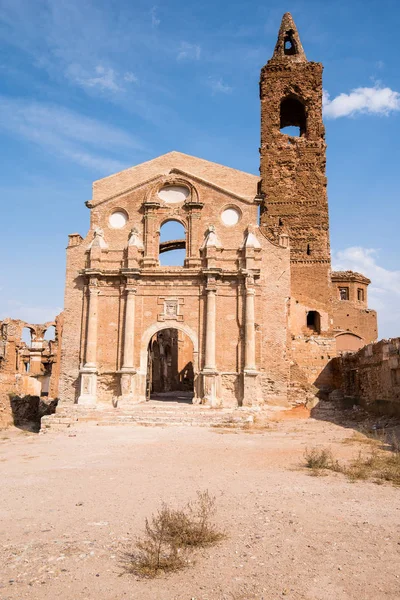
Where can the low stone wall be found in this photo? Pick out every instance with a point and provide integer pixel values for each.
(7, 386)
(371, 376)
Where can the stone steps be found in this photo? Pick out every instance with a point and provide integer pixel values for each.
(149, 415)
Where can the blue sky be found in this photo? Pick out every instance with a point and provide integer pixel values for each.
(89, 87)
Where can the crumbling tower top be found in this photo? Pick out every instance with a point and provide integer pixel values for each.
(288, 46)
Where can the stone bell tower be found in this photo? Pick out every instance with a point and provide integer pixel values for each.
(292, 168)
(293, 191)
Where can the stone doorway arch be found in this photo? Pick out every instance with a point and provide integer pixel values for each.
(144, 353)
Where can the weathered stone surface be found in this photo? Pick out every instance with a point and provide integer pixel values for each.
(28, 368)
(371, 376)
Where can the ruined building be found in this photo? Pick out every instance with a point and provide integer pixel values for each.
(29, 361)
(254, 315)
(255, 304)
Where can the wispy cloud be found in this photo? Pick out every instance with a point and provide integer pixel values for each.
(104, 78)
(384, 291)
(155, 21)
(66, 133)
(188, 51)
(218, 86)
(364, 100)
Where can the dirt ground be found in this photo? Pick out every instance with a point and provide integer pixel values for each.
(71, 501)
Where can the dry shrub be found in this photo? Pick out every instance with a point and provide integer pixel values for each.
(318, 459)
(360, 438)
(193, 526)
(169, 537)
(380, 466)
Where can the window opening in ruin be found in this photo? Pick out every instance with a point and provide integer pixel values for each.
(50, 334)
(395, 374)
(344, 293)
(308, 249)
(289, 47)
(172, 250)
(280, 223)
(360, 294)
(293, 120)
(27, 366)
(314, 321)
(170, 374)
(26, 336)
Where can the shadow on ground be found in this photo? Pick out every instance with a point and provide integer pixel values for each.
(27, 411)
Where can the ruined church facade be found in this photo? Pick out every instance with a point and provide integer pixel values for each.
(255, 311)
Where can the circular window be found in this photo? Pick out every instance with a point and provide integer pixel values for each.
(230, 216)
(118, 219)
(173, 193)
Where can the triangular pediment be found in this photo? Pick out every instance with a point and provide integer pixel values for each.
(236, 183)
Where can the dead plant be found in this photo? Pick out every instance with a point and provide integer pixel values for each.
(319, 459)
(169, 537)
(378, 465)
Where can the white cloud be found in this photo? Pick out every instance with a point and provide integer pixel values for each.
(155, 21)
(66, 133)
(218, 86)
(384, 291)
(104, 78)
(188, 51)
(364, 100)
(130, 77)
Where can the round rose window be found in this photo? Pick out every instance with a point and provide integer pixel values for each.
(118, 219)
(173, 193)
(230, 216)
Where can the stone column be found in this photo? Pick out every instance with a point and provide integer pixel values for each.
(150, 258)
(127, 370)
(89, 370)
(91, 336)
(252, 395)
(210, 330)
(210, 377)
(250, 334)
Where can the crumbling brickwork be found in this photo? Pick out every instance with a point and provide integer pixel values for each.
(293, 189)
(371, 376)
(28, 367)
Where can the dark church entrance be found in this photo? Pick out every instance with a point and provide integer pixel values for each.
(170, 375)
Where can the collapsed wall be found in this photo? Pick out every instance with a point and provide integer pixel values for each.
(371, 376)
(29, 361)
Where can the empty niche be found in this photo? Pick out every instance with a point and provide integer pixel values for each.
(314, 321)
(172, 194)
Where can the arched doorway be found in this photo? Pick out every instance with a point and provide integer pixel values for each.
(170, 366)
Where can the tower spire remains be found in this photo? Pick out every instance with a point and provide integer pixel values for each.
(288, 46)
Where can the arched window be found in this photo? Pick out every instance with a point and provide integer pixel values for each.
(27, 336)
(50, 334)
(172, 252)
(289, 45)
(293, 117)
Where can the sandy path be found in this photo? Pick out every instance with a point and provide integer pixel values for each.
(69, 501)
